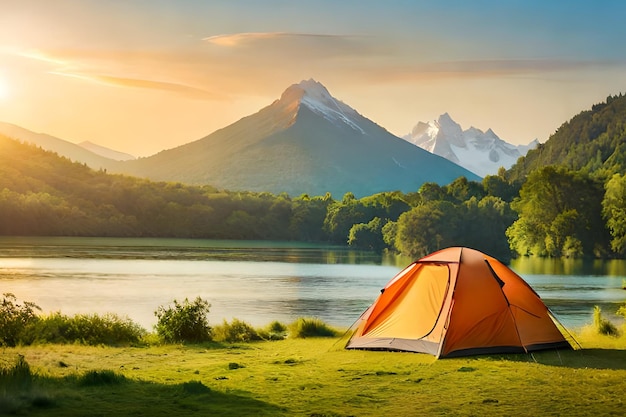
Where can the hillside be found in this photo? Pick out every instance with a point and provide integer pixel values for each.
(594, 141)
(106, 152)
(76, 153)
(305, 142)
(44, 194)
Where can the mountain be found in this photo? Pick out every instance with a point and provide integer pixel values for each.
(62, 147)
(106, 152)
(593, 140)
(305, 142)
(483, 153)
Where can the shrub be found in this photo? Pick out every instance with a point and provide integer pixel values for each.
(14, 318)
(90, 329)
(236, 331)
(109, 329)
(20, 324)
(274, 331)
(184, 322)
(602, 325)
(310, 327)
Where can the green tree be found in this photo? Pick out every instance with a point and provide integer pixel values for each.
(307, 218)
(367, 235)
(462, 190)
(483, 226)
(498, 186)
(431, 191)
(15, 318)
(427, 228)
(559, 215)
(341, 216)
(614, 211)
(184, 322)
(389, 232)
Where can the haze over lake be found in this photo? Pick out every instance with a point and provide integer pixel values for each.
(257, 282)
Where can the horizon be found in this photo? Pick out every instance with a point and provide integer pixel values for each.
(140, 77)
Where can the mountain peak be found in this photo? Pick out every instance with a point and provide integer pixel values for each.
(314, 88)
(314, 96)
(480, 152)
(310, 88)
(445, 118)
(450, 128)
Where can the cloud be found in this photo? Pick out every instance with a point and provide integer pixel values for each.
(241, 39)
(268, 47)
(188, 91)
(38, 55)
(89, 66)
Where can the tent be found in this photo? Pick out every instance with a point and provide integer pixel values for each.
(457, 302)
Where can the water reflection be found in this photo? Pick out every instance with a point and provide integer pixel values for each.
(549, 266)
(255, 281)
(192, 249)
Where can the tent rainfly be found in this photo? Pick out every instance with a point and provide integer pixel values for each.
(457, 302)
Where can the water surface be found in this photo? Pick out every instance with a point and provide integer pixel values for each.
(257, 282)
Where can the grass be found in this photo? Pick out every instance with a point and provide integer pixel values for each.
(313, 377)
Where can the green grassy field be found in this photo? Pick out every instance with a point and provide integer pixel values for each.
(312, 377)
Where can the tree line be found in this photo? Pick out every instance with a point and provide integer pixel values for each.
(556, 211)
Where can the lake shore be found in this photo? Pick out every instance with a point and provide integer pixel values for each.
(255, 281)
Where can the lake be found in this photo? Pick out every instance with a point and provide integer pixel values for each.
(257, 282)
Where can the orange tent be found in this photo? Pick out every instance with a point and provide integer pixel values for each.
(457, 302)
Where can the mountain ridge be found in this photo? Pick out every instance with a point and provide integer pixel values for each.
(62, 147)
(308, 142)
(106, 152)
(482, 152)
(593, 140)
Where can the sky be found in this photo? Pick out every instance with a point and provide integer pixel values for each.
(140, 76)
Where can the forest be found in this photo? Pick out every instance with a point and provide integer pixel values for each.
(567, 209)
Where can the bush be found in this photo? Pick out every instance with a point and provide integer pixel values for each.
(20, 324)
(602, 325)
(274, 331)
(184, 322)
(310, 327)
(89, 329)
(14, 318)
(236, 331)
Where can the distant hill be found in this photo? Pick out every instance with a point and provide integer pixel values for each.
(305, 142)
(106, 152)
(62, 147)
(483, 153)
(593, 140)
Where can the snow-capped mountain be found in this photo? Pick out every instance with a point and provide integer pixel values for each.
(106, 152)
(483, 153)
(305, 142)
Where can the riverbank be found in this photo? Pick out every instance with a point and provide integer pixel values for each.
(316, 377)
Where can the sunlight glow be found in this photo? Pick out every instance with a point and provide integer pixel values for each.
(4, 87)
